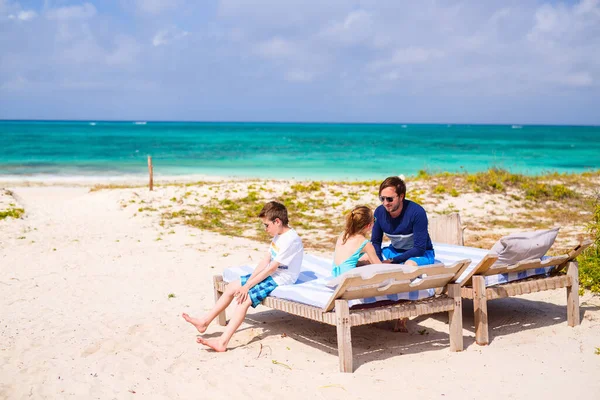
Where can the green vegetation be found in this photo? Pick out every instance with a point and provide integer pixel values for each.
(439, 189)
(171, 296)
(312, 187)
(589, 260)
(12, 213)
(317, 208)
(96, 188)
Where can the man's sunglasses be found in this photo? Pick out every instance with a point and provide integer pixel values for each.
(386, 198)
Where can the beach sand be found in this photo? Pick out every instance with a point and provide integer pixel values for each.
(91, 297)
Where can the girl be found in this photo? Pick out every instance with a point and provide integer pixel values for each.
(352, 244)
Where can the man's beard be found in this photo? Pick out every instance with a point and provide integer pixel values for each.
(394, 209)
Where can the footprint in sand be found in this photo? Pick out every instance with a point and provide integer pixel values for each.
(91, 349)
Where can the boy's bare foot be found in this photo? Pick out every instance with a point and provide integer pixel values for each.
(214, 344)
(197, 322)
(400, 325)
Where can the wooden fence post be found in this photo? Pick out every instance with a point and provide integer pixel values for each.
(151, 173)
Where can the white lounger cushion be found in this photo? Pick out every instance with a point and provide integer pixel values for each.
(311, 289)
(448, 254)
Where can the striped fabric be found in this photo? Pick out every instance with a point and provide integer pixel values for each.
(449, 254)
(310, 287)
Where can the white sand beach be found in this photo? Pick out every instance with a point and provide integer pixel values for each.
(91, 296)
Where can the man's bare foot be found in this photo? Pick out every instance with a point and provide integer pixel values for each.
(197, 322)
(400, 325)
(214, 344)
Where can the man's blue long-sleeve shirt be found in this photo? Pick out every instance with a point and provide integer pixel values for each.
(408, 232)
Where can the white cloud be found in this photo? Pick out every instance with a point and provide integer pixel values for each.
(126, 52)
(169, 35)
(14, 85)
(581, 79)
(298, 75)
(588, 6)
(277, 48)
(26, 15)
(357, 26)
(155, 6)
(410, 55)
(366, 52)
(84, 11)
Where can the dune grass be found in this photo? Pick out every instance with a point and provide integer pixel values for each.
(589, 260)
(12, 213)
(317, 208)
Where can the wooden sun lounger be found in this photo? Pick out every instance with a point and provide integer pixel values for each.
(359, 285)
(450, 231)
(480, 294)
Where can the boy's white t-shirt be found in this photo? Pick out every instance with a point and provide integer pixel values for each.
(287, 250)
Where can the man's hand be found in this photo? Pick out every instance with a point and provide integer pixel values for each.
(241, 294)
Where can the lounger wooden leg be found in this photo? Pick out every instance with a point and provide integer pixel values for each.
(573, 295)
(222, 318)
(342, 314)
(455, 318)
(480, 311)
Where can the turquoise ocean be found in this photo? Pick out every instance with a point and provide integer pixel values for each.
(288, 150)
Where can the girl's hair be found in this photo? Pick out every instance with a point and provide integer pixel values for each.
(356, 221)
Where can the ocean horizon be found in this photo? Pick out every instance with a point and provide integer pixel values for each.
(82, 149)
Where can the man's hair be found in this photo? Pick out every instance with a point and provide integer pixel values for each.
(273, 210)
(395, 182)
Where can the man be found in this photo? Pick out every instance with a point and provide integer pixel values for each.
(405, 223)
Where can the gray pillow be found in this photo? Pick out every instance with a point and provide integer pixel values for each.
(524, 246)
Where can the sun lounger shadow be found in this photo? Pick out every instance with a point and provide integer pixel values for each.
(374, 342)
(510, 315)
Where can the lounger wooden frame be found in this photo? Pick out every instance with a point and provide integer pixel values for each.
(480, 294)
(449, 230)
(338, 313)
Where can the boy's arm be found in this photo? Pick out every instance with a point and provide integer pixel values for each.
(261, 265)
(260, 273)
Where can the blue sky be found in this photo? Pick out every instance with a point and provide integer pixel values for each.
(302, 60)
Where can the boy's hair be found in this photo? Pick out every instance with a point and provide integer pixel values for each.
(356, 220)
(396, 182)
(273, 210)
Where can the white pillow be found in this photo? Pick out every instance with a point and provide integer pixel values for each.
(524, 246)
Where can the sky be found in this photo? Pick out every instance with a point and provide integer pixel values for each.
(509, 61)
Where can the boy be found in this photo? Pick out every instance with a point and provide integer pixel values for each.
(280, 266)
